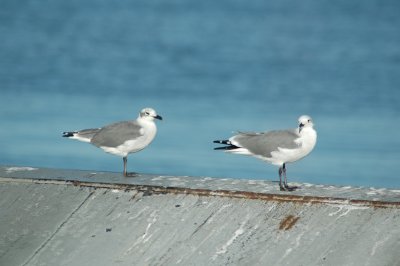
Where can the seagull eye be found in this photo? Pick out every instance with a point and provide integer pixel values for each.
(309, 120)
(147, 113)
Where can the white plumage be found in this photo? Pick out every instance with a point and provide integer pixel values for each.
(121, 138)
(277, 147)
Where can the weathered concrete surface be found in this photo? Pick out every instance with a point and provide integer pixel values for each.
(105, 219)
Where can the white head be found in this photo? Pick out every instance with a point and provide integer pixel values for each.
(149, 114)
(305, 122)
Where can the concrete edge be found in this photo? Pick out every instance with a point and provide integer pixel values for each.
(158, 190)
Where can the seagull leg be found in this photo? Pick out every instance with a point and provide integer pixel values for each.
(281, 186)
(126, 174)
(284, 174)
(287, 187)
(125, 159)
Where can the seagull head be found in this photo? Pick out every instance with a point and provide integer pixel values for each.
(304, 122)
(149, 114)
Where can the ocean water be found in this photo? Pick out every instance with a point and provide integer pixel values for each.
(210, 68)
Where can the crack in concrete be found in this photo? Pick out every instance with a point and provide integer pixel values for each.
(57, 230)
(203, 223)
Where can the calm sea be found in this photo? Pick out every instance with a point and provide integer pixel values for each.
(209, 68)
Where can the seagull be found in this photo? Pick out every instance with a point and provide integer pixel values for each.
(277, 147)
(121, 138)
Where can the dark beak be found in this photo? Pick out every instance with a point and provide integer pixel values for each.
(158, 117)
(301, 127)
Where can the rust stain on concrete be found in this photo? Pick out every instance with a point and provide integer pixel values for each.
(288, 222)
(150, 189)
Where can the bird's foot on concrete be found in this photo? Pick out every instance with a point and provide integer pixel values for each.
(286, 187)
(131, 174)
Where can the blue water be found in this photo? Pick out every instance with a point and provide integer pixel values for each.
(209, 68)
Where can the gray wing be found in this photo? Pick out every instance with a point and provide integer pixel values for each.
(265, 143)
(85, 133)
(116, 134)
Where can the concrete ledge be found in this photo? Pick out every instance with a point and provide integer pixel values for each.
(67, 217)
(205, 186)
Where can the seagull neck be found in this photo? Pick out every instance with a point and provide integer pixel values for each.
(308, 136)
(306, 131)
(144, 121)
(140, 119)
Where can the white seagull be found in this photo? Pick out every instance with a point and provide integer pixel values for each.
(121, 138)
(277, 147)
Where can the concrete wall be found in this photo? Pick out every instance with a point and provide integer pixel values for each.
(54, 217)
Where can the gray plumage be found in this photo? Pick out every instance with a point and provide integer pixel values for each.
(277, 147)
(88, 133)
(116, 134)
(266, 142)
(121, 138)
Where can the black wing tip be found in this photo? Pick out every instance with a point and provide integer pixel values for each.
(68, 134)
(225, 141)
(226, 148)
(229, 146)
